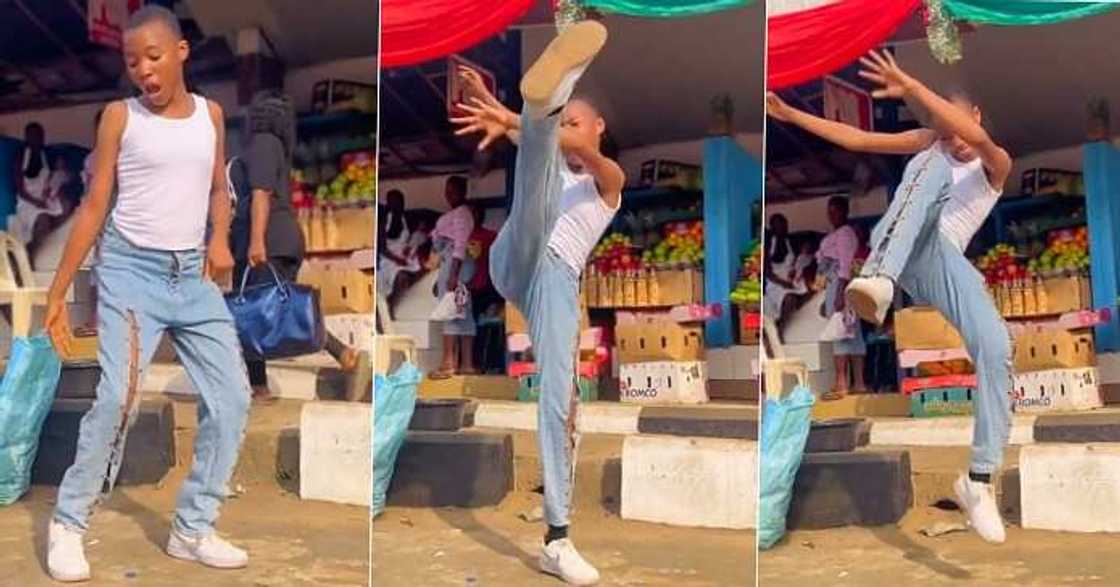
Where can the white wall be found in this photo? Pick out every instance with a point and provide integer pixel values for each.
(74, 124)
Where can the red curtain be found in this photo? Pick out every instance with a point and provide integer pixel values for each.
(415, 31)
(808, 44)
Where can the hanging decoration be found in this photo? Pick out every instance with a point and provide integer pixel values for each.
(808, 44)
(568, 12)
(415, 31)
(1005, 12)
(665, 8)
(942, 34)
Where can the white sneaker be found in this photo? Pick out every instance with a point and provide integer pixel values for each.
(548, 84)
(978, 500)
(871, 297)
(210, 550)
(66, 556)
(560, 558)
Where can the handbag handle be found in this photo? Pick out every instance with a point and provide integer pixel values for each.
(276, 276)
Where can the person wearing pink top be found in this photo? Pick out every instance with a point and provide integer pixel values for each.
(834, 259)
(450, 237)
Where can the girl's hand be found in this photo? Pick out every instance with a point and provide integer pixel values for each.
(882, 69)
(58, 326)
(489, 119)
(777, 108)
(219, 262)
(475, 87)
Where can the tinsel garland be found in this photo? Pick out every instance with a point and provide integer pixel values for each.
(942, 34)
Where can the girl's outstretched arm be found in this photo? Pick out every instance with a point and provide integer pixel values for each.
(850, 137)
(882, 69)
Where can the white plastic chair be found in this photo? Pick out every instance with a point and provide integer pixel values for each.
(23, 298)
(387, 343)
(775, 364)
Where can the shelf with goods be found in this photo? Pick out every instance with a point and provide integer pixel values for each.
(334, 192)
(747, 296)
(1044, 295)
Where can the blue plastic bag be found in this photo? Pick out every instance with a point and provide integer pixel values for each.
(394, 400)
(26, 395)
(785, 429)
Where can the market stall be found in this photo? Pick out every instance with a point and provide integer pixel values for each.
(1047, 249)
(656, 274)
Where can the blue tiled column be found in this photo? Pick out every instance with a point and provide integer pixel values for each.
(732, 185)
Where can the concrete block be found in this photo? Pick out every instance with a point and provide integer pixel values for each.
(842, 435)
(594, 418)
(696, 482)
(1071, 487)
(425, 333)
(1078, 428)
(453, 469)
(943, 431)
(79, 381)
(335, 459)
(149, 451)
(741, 423)
(719, 364)
(851, 489)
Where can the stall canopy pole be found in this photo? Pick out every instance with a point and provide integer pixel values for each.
(732, 184)
(1102, 180)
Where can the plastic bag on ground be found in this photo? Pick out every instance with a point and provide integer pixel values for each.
(785, 429)
(26, 395)
(394, 400)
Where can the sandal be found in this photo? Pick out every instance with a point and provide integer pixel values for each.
(441, 374)
(834, 395)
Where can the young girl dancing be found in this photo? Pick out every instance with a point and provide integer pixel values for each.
(947, 190)
(565, 194)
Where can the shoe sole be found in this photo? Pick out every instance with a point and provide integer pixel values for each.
(864, 306)
(70, 578)
(190, 557)
(574, 47)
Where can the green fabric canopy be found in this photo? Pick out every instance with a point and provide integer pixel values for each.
(1003, 12)
(664, 8)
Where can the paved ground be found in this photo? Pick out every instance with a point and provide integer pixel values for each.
(291, 542)
(902, 556)
(493, 546)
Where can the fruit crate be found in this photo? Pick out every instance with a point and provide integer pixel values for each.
(529, 388)
(947, 401)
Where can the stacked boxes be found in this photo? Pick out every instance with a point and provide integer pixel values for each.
(1055, 371)
(661, 362)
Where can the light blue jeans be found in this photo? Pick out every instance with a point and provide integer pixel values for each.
(144, 293)
(464, 326)
(908, 247)
(545, 290)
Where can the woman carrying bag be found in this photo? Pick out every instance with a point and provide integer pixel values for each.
(265, 231)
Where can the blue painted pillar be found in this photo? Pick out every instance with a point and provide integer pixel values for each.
(1102, 187)
(732, 185)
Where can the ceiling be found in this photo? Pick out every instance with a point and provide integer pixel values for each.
(654, 82)
(47, 61)
(301, 34)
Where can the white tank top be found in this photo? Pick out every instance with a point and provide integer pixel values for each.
(164, 174)
(971, 199)
(584, 216)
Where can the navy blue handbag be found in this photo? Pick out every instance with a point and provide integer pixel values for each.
(277, 320)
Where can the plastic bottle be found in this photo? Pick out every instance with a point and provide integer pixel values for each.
(654, 289)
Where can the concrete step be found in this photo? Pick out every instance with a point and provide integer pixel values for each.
(314, 377)
(862, 488)
(726, 420)
(452, 469)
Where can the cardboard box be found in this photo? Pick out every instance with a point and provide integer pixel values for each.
(664, 382)
(1057, 390)
(932, 403)
(644, 341)
(922, 328)
(679, 286)
(1054, 349)
(665, 173)
(340, 292)
(1063, 294)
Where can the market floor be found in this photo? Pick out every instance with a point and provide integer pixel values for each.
(494, 547)
(291, 542)
(877, 556)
